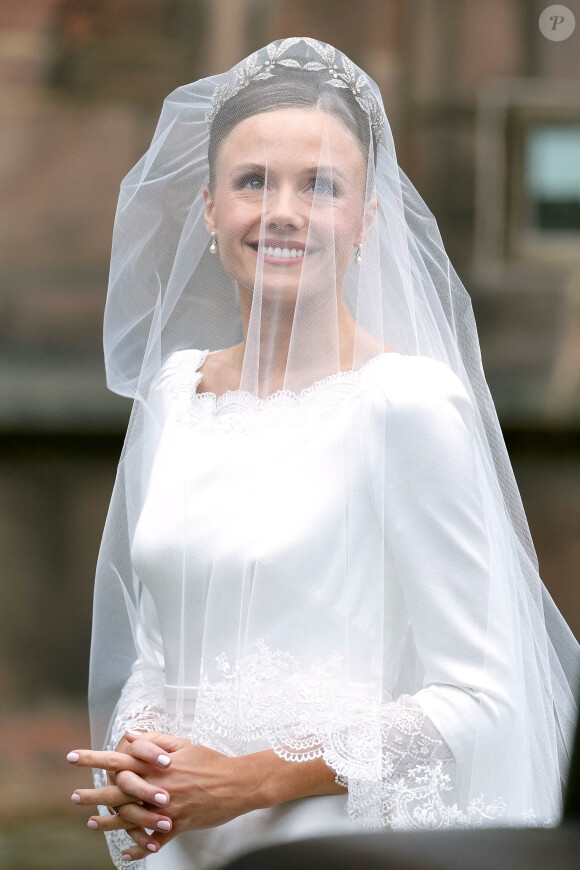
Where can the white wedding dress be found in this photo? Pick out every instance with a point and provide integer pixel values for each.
(301, 511)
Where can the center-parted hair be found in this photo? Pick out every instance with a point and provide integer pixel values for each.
(292, 90)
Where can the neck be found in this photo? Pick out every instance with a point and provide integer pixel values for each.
(270, 327)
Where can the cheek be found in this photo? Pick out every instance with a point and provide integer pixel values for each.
(236, 221)
(237, 215)
(342, 226)
(228, 228)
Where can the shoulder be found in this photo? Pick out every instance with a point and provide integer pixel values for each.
(420, 392)
(178, 369)
(180, 364)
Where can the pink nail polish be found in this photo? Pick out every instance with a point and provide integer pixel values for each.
(163, 760)
(75, 798)
(92, 824)
(152, 847)
(126, 857)
(73, 757)
(160, 799)
(164, 825)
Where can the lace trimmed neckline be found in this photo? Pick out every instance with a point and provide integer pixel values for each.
(237, 395)
(242, 411)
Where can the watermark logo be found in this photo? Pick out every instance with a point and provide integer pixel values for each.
(557, 22)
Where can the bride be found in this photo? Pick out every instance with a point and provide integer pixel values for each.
(317, 602)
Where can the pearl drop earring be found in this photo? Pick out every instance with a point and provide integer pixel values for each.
(357, 255)
(213, 246)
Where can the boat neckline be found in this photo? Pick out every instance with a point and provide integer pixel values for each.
(344, 375)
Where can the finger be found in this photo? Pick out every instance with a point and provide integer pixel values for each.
(111, 780)
(106, 760)
(148, 750)
(145, 818)
(134, 790)
(144, 849)
(108, 796)
(109, 823)
(139, 788)
(145, 845)
(167, 742)
(130, 816)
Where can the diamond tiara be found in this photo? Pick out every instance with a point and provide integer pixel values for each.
(343, 76)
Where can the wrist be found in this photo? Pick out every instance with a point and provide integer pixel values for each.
(270, 780)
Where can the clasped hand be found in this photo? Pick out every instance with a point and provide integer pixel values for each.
(165, 784)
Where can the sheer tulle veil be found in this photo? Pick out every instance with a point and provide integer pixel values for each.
(324, 287)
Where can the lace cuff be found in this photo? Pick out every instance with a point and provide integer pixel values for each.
(416, 768)
(413, 758)
(141, 706)
(390, 756)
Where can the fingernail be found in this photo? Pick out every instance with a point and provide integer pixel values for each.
(73, 757)
(134, 733)
(126, 857)
(152, 847)
(75, 798)
(92, 824)
(160, 799)
(164, 825)
(163, 760)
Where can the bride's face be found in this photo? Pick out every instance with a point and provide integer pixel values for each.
(302, 172)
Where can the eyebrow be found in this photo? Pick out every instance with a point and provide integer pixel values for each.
(311, 170)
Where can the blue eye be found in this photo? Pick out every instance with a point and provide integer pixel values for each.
(323, 185)
(251, 181)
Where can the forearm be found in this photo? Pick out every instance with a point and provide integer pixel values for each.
(273, 780)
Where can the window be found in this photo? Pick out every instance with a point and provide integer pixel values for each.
(527, 176)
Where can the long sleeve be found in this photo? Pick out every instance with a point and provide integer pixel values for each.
(140, 706)
(438, 551)
(141, 703)
(435, 517)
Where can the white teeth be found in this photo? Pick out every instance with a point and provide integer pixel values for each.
(283, 253)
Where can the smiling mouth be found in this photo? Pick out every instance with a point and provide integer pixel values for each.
(280, 253)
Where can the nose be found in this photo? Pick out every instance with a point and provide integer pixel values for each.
(284, 209)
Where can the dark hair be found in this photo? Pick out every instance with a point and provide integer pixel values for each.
(290, 89)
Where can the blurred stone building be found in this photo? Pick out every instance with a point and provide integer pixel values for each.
(485, 112)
